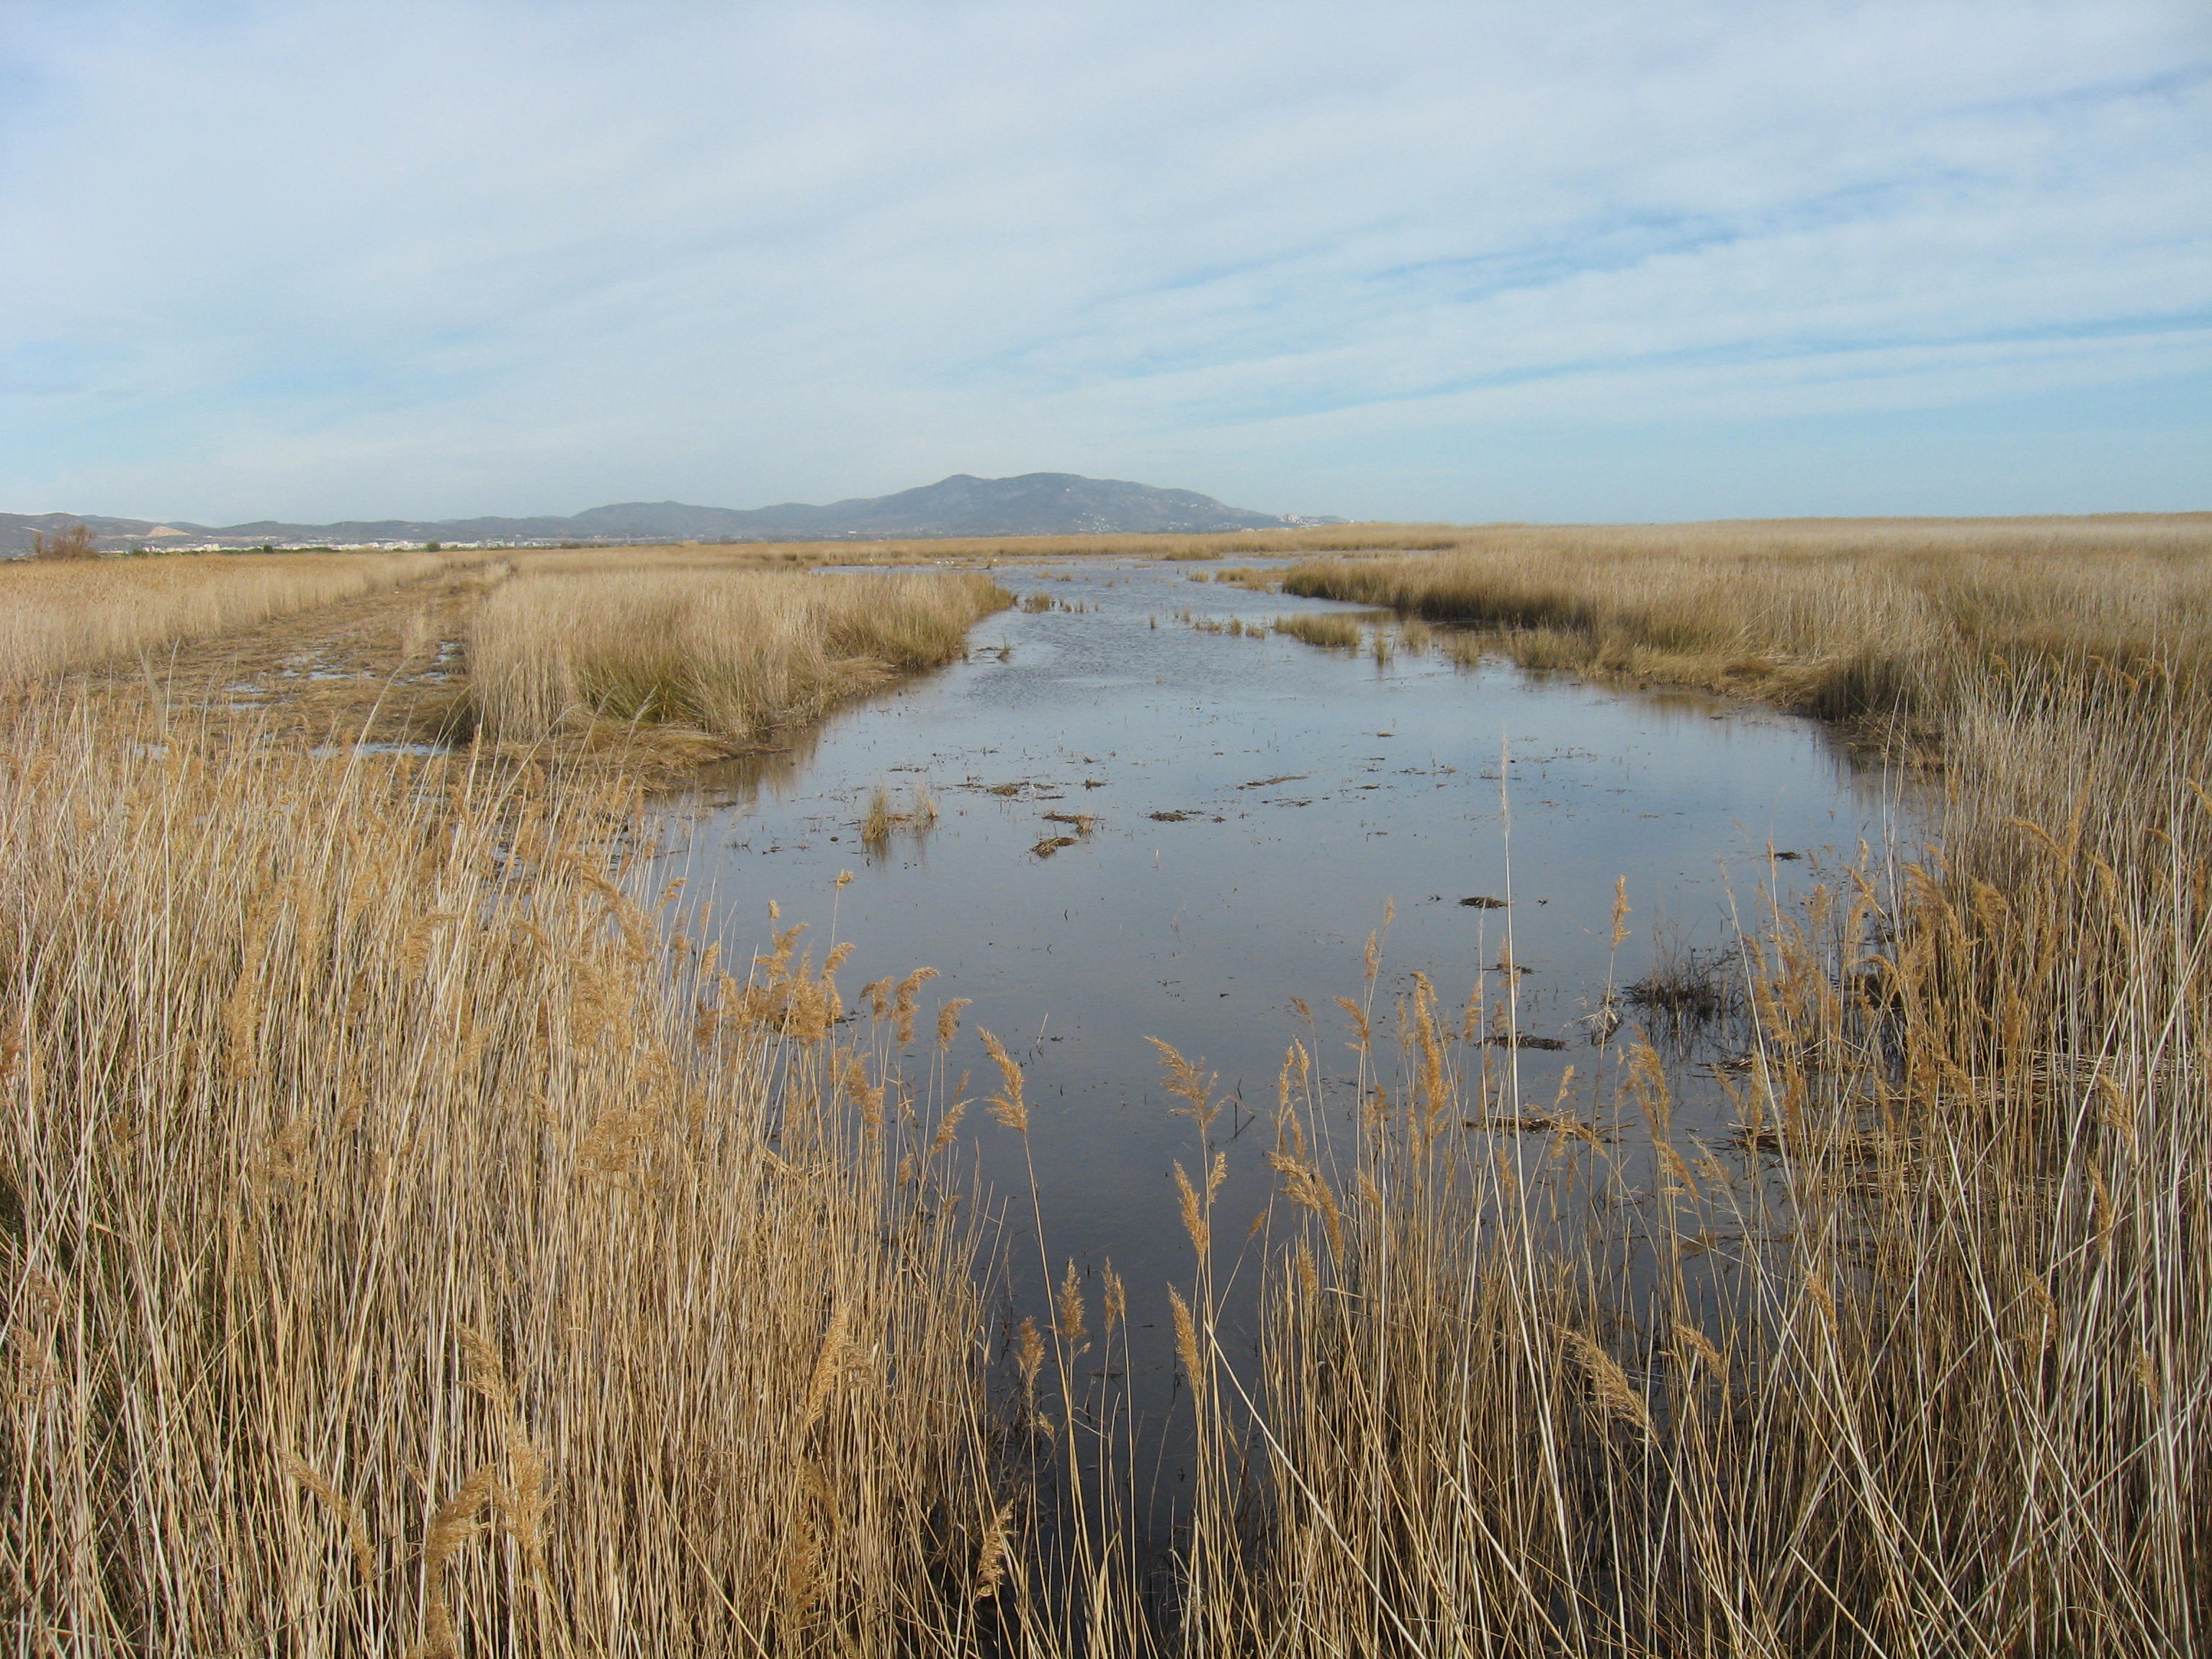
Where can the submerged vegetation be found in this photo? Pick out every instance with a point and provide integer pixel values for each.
(884, 817)
(413, 1242)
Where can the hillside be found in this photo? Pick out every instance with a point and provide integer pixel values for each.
(1034, 504)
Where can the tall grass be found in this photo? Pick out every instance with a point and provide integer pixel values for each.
(1916, 1361)
(409, 1245)
(407, 1248)
(1841, 619)
(58, 615)
(726, 652)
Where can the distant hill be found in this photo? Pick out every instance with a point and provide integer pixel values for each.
(1034, 504)
(18, 530)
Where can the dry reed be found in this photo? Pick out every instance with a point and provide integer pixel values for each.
(1918, 1363)
(404, 1247)
(1331, 629)
(1842, 619)
(727, 652)
(407, 1244)
(57, 615)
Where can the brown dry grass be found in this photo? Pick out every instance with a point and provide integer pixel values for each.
(1918, 1363)
(1841, 618)
(1329, 629)
(403, 1247)
(407, 1243)
(406, 1246)
(727, 654)
(57, 616)
(615, 665)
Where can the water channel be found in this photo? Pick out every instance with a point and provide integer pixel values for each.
(1257, 806)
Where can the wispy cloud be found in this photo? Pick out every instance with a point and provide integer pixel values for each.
(334, 259)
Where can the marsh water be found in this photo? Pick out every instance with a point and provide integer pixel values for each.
(1235, 814)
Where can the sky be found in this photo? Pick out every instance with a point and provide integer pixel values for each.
(1571, 261)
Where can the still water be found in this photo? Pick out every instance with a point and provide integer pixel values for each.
(1257, 806)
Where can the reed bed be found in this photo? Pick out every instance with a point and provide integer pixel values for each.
(57, 616)
(1841, 619)
(1916, 1361)
(409, 1242)
(1917, 1365)
(409, 1246)
(1371, 540)
(727, 652)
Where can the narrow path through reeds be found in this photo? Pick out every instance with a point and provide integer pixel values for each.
(57, 615)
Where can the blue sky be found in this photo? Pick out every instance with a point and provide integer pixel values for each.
(1575, 261)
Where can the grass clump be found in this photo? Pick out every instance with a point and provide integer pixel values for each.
(1689, 991)
(884, 816)
(726, 653)
(1329, 629)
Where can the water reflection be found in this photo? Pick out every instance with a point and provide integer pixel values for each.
(1153, 827)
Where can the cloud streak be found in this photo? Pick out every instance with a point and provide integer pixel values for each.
(335, 259)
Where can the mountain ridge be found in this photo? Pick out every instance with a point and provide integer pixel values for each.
(962, 505)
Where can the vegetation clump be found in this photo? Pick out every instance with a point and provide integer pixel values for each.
(1330, 629)
(74, 541)
(728, 653)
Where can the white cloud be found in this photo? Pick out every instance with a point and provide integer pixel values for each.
(343, 259)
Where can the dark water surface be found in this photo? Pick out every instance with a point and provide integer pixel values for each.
(1317, 789)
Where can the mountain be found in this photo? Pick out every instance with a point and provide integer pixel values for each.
(1034, 504)
(18, 529)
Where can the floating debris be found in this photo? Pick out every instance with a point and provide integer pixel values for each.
(1535, 1124)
